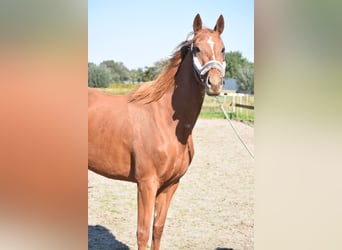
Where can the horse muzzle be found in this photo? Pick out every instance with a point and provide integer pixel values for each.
(213, 84)
(211, 75)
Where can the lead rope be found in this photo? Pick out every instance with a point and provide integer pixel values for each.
(230, 122)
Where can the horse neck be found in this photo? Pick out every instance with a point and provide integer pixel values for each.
(187, 96)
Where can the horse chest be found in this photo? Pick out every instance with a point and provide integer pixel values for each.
(176, 165)
(184, 161)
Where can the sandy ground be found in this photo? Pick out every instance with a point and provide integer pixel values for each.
(212, 208)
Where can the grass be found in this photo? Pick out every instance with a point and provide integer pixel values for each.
(211, 115)
(210, 108)
(119, 88)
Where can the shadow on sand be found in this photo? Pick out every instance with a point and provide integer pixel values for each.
(100, 238)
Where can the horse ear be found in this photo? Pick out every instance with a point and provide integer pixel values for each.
(219, 27)
(197, 26)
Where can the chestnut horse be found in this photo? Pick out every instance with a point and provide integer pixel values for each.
(146, 136)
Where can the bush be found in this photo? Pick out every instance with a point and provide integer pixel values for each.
(245, 79)
(98, 76)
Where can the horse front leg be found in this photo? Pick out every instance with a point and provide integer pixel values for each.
(161, 207)
(146, 199)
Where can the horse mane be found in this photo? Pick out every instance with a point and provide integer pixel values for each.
(152, 91)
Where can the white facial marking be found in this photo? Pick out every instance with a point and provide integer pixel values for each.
(211, 44)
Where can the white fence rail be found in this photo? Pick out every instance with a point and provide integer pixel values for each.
(239, 102)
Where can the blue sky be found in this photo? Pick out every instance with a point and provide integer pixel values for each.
(139, 33)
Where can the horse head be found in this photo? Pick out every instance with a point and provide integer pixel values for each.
(209, 55)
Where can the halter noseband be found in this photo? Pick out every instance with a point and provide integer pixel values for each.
(202, 70)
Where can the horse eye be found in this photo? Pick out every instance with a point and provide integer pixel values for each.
(223, 51)
(196, 50)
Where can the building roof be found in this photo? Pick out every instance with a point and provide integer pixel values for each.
(230, 84)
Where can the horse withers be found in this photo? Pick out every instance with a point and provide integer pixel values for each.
(145, 136)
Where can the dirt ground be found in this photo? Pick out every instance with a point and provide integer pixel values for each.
(212, 208)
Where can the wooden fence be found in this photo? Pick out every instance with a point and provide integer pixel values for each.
(239, 103)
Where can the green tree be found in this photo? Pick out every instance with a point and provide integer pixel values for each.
(161, 65)
(234, 61)
(152, 72)
(98, 76)
(118, 70)
(136, 75)
(245, 78)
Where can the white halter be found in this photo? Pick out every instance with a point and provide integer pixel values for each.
(202, 70)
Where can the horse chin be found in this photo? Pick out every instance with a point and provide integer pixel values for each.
(211, 92)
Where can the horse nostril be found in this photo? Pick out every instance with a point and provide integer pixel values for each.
(209, 83)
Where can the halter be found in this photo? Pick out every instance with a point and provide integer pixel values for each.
(202, 70)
